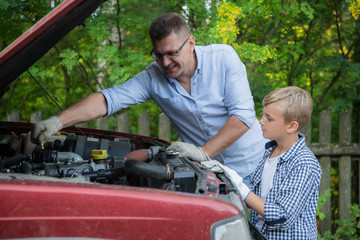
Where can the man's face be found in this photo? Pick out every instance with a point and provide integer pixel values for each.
(273, 123)
(178, 65)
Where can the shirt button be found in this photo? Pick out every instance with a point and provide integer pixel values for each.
(207, 133)
(200, 119)
(193, 101)
(194, 83)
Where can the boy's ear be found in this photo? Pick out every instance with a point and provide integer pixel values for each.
(293, 127)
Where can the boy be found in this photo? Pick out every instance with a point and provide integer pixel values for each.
(286, 182)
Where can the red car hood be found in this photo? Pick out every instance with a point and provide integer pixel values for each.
(35, 208)
(41, 37)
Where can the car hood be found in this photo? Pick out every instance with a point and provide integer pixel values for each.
(41, 37)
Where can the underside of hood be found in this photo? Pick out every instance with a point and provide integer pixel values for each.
(40, 38)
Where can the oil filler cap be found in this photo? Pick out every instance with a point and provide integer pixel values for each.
(97, 155)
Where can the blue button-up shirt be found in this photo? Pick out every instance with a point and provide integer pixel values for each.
(290, 206)
(219, 89)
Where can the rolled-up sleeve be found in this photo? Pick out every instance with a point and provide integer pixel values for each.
(133, 91)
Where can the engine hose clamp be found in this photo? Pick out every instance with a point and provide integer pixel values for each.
(168, 173)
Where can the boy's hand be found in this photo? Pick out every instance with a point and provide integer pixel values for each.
(213, 165)
(237, 181)
(189, 150)
(44, 129)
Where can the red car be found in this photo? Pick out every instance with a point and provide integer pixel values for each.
(94, 184)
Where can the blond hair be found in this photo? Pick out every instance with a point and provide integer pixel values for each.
(296, 104)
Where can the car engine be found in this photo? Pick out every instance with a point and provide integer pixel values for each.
(110, 159)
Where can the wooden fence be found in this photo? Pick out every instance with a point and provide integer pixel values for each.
(122, 123)
(344, 153)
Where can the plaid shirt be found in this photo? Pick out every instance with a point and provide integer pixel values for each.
(290, 206)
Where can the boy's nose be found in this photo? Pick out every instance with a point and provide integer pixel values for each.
(261, 121)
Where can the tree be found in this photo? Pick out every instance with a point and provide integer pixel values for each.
(311, 44)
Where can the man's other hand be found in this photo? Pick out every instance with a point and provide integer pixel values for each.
(44, 129)
(189, 150)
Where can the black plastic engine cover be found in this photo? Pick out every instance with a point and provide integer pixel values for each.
(83, 145)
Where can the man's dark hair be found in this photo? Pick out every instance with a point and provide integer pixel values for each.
(165, 24)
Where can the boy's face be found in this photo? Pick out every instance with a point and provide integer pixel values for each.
(273, 123)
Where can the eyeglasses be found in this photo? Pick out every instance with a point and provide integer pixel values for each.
(169, 55)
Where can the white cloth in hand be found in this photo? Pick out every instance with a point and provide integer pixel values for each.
(237, 181)
(213, 165)
(46, 128)
(189, 150)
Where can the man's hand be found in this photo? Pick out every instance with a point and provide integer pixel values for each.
(46, 128)
(189, 150)
(237, 181)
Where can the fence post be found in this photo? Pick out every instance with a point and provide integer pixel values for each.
(144, 124)
(307, 132)
(102, 123)
(82, 125)
(122, 122)
(325, 162)
(164, 127)
(13, 117)
(344, 165)
(36, 117)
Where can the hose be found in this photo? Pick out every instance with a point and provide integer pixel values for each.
(146, 170)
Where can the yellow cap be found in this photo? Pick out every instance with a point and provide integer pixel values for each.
(99, 154)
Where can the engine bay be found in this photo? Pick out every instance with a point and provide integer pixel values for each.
(104, 157)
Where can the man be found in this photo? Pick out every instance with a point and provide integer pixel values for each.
(203, 90)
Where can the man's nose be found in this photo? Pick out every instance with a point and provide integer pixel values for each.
(165, 60)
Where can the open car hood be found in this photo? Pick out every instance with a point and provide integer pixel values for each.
(41, 37)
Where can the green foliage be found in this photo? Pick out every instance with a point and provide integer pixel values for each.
(17, 16)
(70, 59)
(255, 53)
(311, 44)
(307, 10)
(225, 31)
(354, 8)
(321, 202)
(347, 228)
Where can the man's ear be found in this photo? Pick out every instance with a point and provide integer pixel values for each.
(293, 127)
(192, 42)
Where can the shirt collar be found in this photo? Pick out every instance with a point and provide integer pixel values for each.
(290, 152)
(199, 58)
